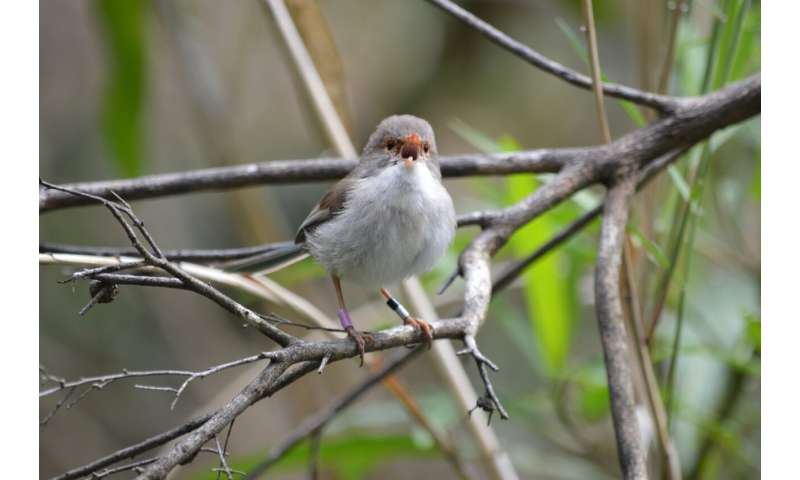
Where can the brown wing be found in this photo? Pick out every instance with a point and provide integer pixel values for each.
(330, 204)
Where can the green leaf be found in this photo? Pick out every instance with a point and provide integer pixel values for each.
(653, 250)
(547, 290)
(574, 40)
(680, 183)
(547, 295)
(756, 187)
(351, 457)
(735, 14)
(475, 137)
(122, 25)
(753, 331)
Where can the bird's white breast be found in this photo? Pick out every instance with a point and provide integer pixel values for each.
(394, 225)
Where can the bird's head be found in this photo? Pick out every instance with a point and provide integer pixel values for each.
(402, 140)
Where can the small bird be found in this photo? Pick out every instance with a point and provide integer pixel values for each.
(388, 219)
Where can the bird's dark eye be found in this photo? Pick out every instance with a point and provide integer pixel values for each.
(390, 144)
(426, 146)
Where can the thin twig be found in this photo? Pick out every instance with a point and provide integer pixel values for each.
(324, 416)
(186, 448)
(135, 466)
(133, 450)
(102, 381)
(225, 451)
(223, 463)
(660, 103)
(157, 259)
(43, 422)
(185, 255)
(314, 440)
(676, 8)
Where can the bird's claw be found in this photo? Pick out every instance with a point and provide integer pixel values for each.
(361, 340)
(426, 328)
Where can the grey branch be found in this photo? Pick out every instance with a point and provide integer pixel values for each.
(612, 329)
(134, 450)
(131, 224)
(658, 102)
(322, 418)
(101, 381)
(696, 119)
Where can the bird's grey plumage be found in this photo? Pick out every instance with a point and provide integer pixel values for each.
(386, 220)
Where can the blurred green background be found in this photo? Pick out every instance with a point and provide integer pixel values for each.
(130, 88)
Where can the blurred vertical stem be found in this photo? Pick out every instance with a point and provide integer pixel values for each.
(123, 104)
(211, 106)
(497, 460)
(722, 51)
(721, 55)
(318, 38)
(675, 236)
(332, 125)
(644, 363)
(676, 10)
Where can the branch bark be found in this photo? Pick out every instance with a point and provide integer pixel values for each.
(185, 450)
(612, 329)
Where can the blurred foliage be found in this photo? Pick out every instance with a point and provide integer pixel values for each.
(122, 24)
(351, 457)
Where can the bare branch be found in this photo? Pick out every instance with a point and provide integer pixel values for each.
(323, 417)
(135, 466)
(185, 449)
(133, 450)
(171, 255)
(612, 330)
(101, 381)
(157, 259)
(296, 171)
(660, 103)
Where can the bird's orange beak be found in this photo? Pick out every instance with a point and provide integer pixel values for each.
(409, 152)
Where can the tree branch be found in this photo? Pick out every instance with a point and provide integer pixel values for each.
(660, 103)
(323, 417)
(134, 450)
(612, 330)
(697, 118)
(185, 449)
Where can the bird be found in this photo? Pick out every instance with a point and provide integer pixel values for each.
(389, 219)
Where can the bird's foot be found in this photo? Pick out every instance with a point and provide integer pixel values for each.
(422, 325)
(361, 340)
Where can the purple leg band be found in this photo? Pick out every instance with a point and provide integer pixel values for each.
(344, 319)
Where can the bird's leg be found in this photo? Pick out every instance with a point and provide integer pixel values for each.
(407, 319)
(347, 323)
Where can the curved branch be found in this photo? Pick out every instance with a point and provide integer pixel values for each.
(696, 119)
(612, 329)
(660, 103)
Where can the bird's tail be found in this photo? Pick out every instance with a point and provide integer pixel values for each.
(271, 261)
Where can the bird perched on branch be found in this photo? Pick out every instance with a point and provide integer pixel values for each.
(388, 219)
